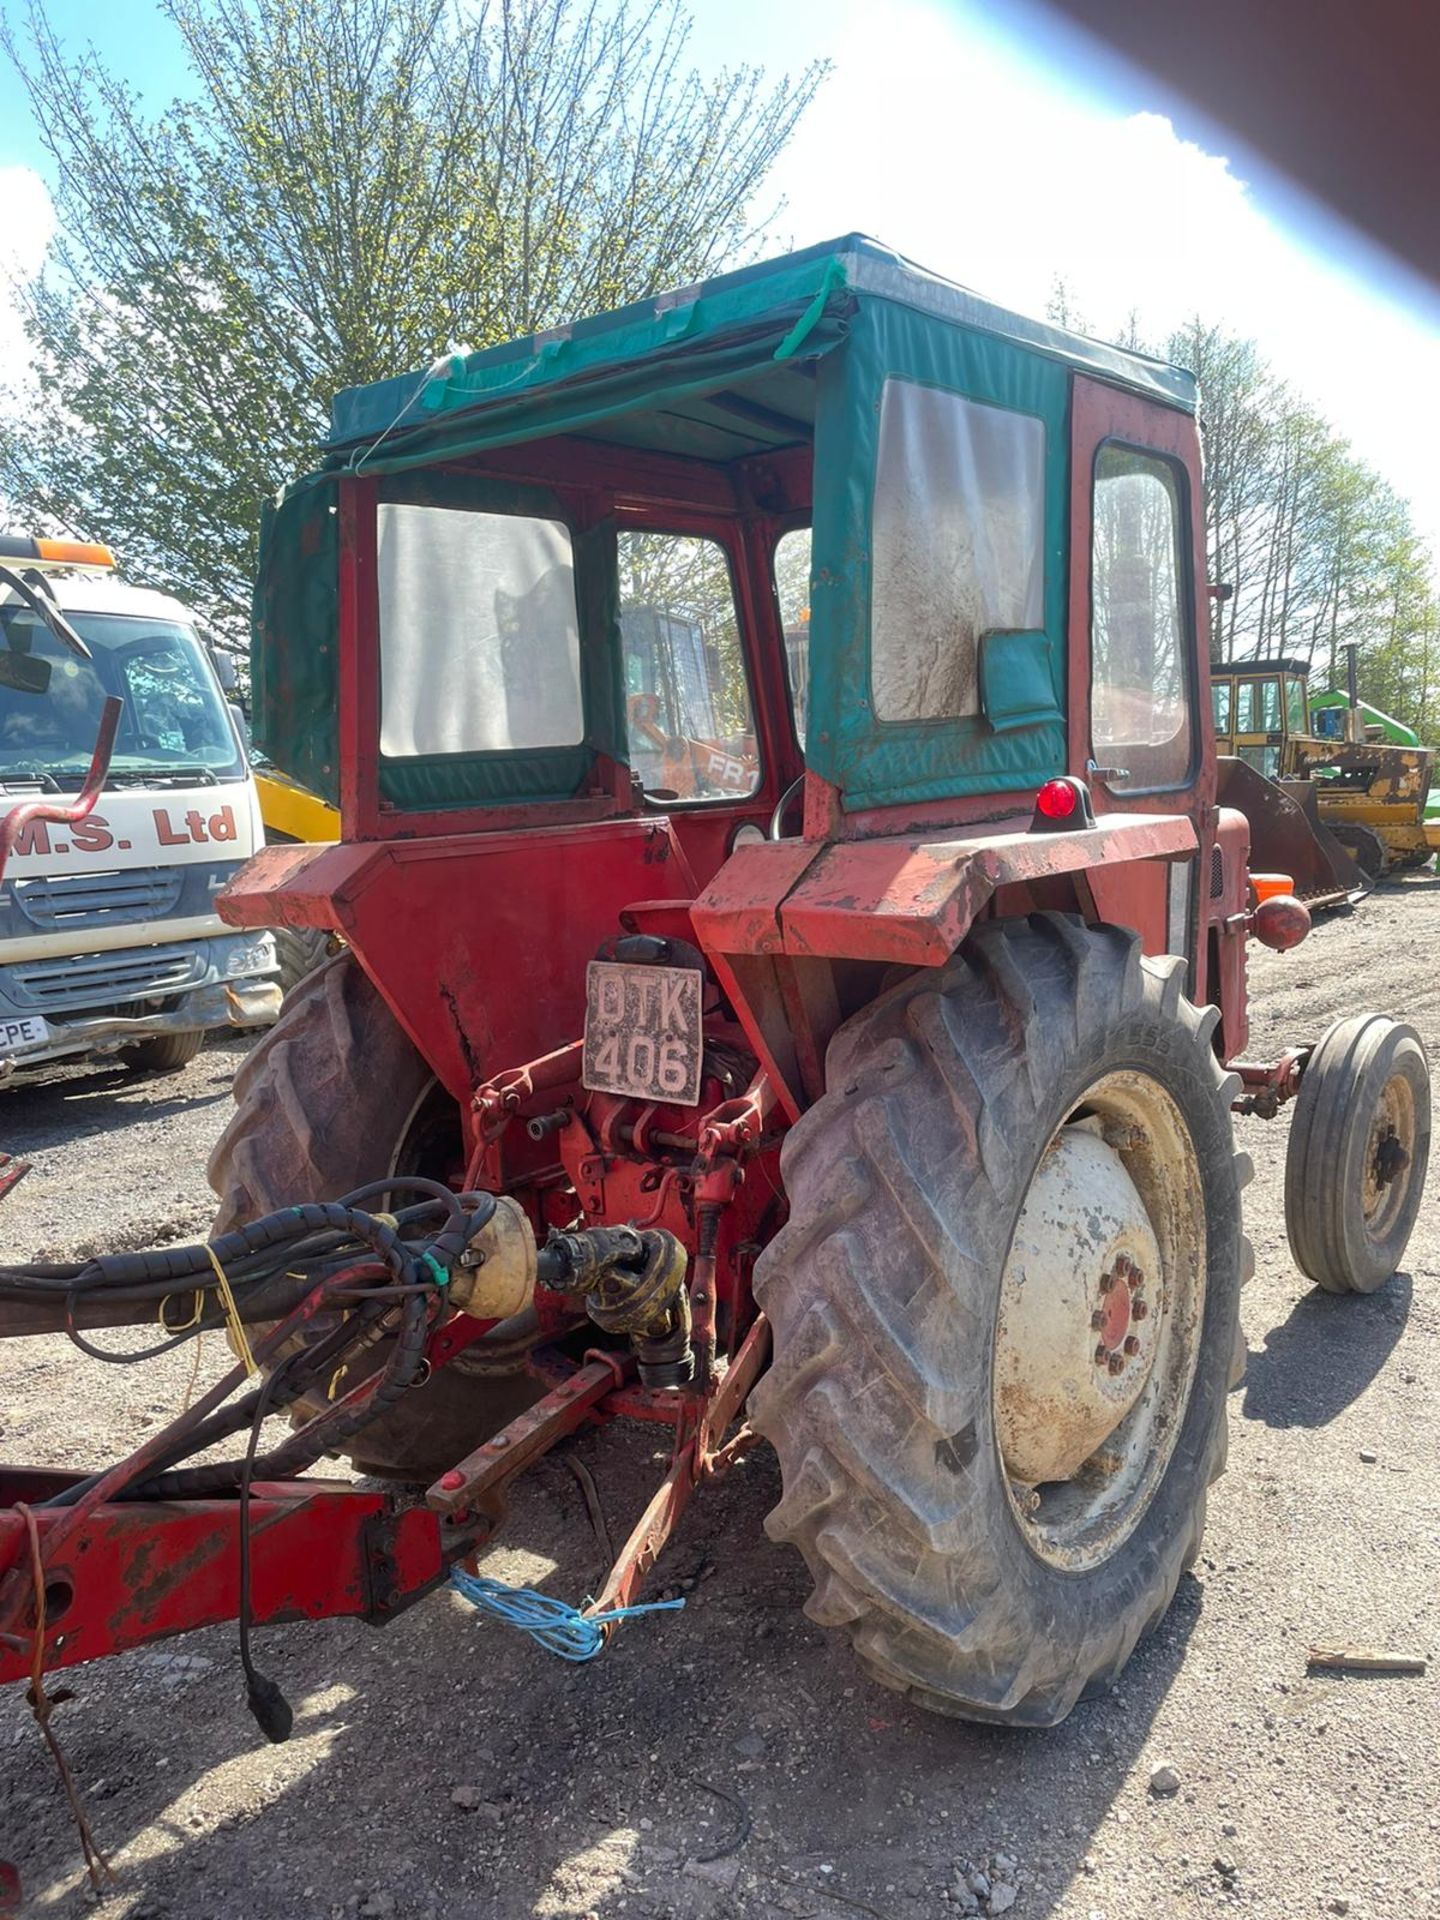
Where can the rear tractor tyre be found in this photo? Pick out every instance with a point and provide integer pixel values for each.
(298, 952)
(1005, 1310)
(332, 1097)
(1358, 1150)
(166, 1053)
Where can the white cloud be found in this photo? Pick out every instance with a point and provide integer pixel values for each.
(951, 146)
(27, 220)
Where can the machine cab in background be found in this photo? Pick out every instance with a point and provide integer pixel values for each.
(1259, 705)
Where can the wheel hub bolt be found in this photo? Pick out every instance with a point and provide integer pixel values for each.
(1097, 1320)
(1139, 1309)
(1132, 1345)
(1117, 1362)
(1102, 1354)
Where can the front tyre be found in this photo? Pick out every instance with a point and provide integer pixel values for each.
(1358, 1150)
(1005, 1309)
(166, 1053)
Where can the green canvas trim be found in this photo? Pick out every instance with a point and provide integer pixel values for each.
(438, 782)
(831, 282)
(1016, 679)
(294, 664)
(587, 406)
(769, 304)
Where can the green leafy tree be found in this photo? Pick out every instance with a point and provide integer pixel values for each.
(352, 185)
(1319, 550)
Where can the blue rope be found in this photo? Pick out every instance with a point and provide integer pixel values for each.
(554, 1623)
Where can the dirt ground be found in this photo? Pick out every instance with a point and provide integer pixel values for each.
(730, 1759)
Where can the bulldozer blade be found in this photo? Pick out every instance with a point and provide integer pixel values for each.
(1287, 835)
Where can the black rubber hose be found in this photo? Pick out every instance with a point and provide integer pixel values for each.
(414, 1266)
(182, 1269)
(168, 1481)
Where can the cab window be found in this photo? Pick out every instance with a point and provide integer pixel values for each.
(1257, 706)
(688, 711)
(959, 545)
(1295, 706)
(1220, 702)
(1140, 712)
(479, 636)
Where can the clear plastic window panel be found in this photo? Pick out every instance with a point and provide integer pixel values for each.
(792, 590)
(479, 637)
(1139, 698)
(691, 727)
(959, 545)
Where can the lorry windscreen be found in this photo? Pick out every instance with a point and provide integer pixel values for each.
(174, 714)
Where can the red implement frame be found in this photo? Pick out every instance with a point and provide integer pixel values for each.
(142, 1570)
(127, 1572)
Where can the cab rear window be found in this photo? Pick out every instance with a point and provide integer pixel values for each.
(479, 633)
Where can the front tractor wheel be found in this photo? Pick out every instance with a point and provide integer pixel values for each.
(1005, 1307)
(332, 1097)
(1358, 1149)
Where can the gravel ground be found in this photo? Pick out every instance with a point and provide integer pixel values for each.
(731, 1760)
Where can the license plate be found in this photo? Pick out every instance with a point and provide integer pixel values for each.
(642, 1032)
(18, 1036)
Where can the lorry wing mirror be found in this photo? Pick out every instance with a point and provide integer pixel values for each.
(224, 665)
(24, 672)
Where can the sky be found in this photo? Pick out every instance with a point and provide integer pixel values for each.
(999, 150)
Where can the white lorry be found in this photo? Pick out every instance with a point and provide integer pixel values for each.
(109, 939)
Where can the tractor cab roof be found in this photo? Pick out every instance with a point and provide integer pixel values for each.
(707, 340)
(783, 393)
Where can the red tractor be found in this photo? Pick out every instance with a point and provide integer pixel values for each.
(874, 1100)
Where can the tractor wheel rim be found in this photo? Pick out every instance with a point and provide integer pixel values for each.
(1389, 1156)
(1099, 1323)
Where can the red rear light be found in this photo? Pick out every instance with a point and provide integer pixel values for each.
(1062, 806)
(1057, 800)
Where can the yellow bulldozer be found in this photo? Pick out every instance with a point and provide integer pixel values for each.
(1362, 795)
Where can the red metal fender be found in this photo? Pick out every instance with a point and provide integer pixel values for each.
(905, 900)
(478, 941)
